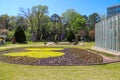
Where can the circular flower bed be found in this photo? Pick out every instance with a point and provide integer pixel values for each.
(50, 56)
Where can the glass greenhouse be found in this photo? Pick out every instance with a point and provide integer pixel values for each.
(107, 34)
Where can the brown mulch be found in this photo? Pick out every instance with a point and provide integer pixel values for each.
(72, 57)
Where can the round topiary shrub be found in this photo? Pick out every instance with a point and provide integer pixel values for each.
(19, 34)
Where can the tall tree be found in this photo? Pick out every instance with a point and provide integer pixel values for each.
(55, 19)
(93, 19)
(4, 21)
(74, 19)
(21, 21)
(12, 23)
(35, 17)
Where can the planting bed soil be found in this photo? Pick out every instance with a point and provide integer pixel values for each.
(67, 57)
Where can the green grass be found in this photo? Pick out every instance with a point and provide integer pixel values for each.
(38, 53)
(87, 45)
(27, 72)
(9, 45)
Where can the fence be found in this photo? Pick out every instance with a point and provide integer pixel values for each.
(107, 34)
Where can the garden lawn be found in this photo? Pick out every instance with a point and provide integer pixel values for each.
(27, 72)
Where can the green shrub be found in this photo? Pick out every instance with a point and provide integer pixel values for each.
(19, 35)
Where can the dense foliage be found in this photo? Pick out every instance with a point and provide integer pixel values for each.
(38, 26)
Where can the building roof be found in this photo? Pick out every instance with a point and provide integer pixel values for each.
(117, 5)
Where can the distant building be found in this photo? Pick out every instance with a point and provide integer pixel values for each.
(113, 10)
(3, 35)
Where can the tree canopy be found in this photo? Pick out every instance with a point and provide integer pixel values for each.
(39, 26)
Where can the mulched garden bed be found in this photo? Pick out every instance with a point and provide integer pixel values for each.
(72, 57)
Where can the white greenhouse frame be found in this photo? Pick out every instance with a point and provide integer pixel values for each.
(107, 34)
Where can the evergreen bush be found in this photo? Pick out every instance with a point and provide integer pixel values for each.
(19, 34)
